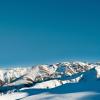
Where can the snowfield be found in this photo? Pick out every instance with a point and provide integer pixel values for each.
(61, 81)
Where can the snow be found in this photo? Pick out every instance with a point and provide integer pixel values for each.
(48, 96)
(98, 71)
(81, 91)
(69, 96)
(13, 96)
(82, 84)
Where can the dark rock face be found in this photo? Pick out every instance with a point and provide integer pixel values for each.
(1, 83)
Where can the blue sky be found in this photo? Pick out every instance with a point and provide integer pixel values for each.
(49, 31)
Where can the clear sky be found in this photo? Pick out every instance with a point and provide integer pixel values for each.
(49, 31)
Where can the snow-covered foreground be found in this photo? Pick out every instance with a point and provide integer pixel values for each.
(46, 96)
(61, 81)
(82, 91)
(68, 96)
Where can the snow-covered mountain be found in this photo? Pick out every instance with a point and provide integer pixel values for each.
(48, 76)
(43, 72)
